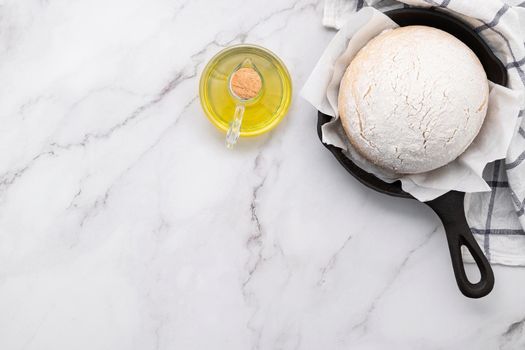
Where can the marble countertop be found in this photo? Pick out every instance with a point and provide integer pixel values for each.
(126, 224)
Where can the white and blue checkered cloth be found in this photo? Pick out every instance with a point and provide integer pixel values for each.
(496, 218)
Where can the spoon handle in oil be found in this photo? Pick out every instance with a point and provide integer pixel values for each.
(235, 127)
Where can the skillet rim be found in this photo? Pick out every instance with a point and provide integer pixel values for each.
(493, 67)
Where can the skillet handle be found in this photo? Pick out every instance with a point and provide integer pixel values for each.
(449, 208)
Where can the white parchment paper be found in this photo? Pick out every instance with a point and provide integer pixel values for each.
(463, 174)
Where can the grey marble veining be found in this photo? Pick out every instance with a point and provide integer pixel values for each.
(126, 224)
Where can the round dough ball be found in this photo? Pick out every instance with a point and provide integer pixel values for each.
(413, 99)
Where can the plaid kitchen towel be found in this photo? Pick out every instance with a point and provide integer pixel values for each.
(496, 218)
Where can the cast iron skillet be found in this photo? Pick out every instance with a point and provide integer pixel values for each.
(449, 207)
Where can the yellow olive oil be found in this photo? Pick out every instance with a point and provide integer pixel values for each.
(264, 112)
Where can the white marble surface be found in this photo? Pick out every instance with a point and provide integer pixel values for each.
(126, 224)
